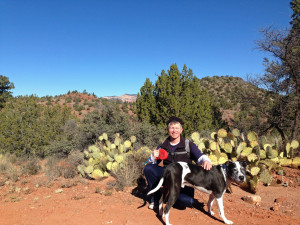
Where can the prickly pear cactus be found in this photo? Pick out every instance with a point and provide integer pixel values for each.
(108, 155)
(252, 136)
(254, 171)
(97, 174)
(296, 163)
(262, 155)
(266, 177)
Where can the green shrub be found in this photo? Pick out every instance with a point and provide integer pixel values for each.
(4, 165)
(67, 170)
(51, 169)
(31, 167)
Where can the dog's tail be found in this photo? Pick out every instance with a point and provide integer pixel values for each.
(161, 181)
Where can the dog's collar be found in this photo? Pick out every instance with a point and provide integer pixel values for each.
(224, 170)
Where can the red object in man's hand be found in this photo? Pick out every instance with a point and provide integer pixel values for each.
(163, 154)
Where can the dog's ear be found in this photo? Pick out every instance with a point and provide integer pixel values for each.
(228, 163)
(243, 164)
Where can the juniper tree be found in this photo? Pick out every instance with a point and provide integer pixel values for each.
(282, 74)
(27, 127)
(177, 94)
(5, 87)
(146, 104)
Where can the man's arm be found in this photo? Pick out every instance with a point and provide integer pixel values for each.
(201, 158)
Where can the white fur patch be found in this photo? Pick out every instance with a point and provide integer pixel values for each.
(203, 189)
(185, 171)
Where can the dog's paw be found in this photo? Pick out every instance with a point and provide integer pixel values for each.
(211, 213)
(228, 222)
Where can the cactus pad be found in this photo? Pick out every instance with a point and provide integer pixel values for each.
(89, 169)
(252, 136)
(222, 133)
(247, 151)
(285, 162)
(254, 170)
(294, 144)
(236, 132)
(266, 177)
(195, 136)
(133, 139)
(127, 144)
(97, 174)
(105, 137)
(253, 143)
(214, 146)
(228, 147)
(252, 157)
(296, 162)
(213, 135)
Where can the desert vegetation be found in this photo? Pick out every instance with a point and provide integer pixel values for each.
(79, 134)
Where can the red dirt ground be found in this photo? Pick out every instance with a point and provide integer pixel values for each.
(86, 202)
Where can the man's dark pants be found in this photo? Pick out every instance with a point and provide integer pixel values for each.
(153, 173)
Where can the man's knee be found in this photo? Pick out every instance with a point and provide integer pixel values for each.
(148, 170)
(153, 170)
(184, 201)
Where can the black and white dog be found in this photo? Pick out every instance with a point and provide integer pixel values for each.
(213, 181)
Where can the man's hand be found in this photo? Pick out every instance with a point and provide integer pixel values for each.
(207, 165)
(156, 153)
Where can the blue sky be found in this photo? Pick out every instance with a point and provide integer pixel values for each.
(50, 47)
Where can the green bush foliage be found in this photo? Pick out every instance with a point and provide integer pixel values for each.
(26, 127)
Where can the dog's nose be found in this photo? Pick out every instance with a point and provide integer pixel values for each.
(241, 178)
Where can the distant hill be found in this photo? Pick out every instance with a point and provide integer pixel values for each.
(123, 98)
(228, 92)
(82, 103)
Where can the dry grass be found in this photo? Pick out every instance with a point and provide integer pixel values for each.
(127, 175)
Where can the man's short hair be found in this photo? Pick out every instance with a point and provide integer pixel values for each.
(174, 119)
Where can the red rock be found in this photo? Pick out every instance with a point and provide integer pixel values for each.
(280, 200)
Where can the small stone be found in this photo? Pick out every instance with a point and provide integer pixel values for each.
(253, 199)
(58, 191)
(17, 190)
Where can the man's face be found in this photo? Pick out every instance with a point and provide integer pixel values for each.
(175, 130)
